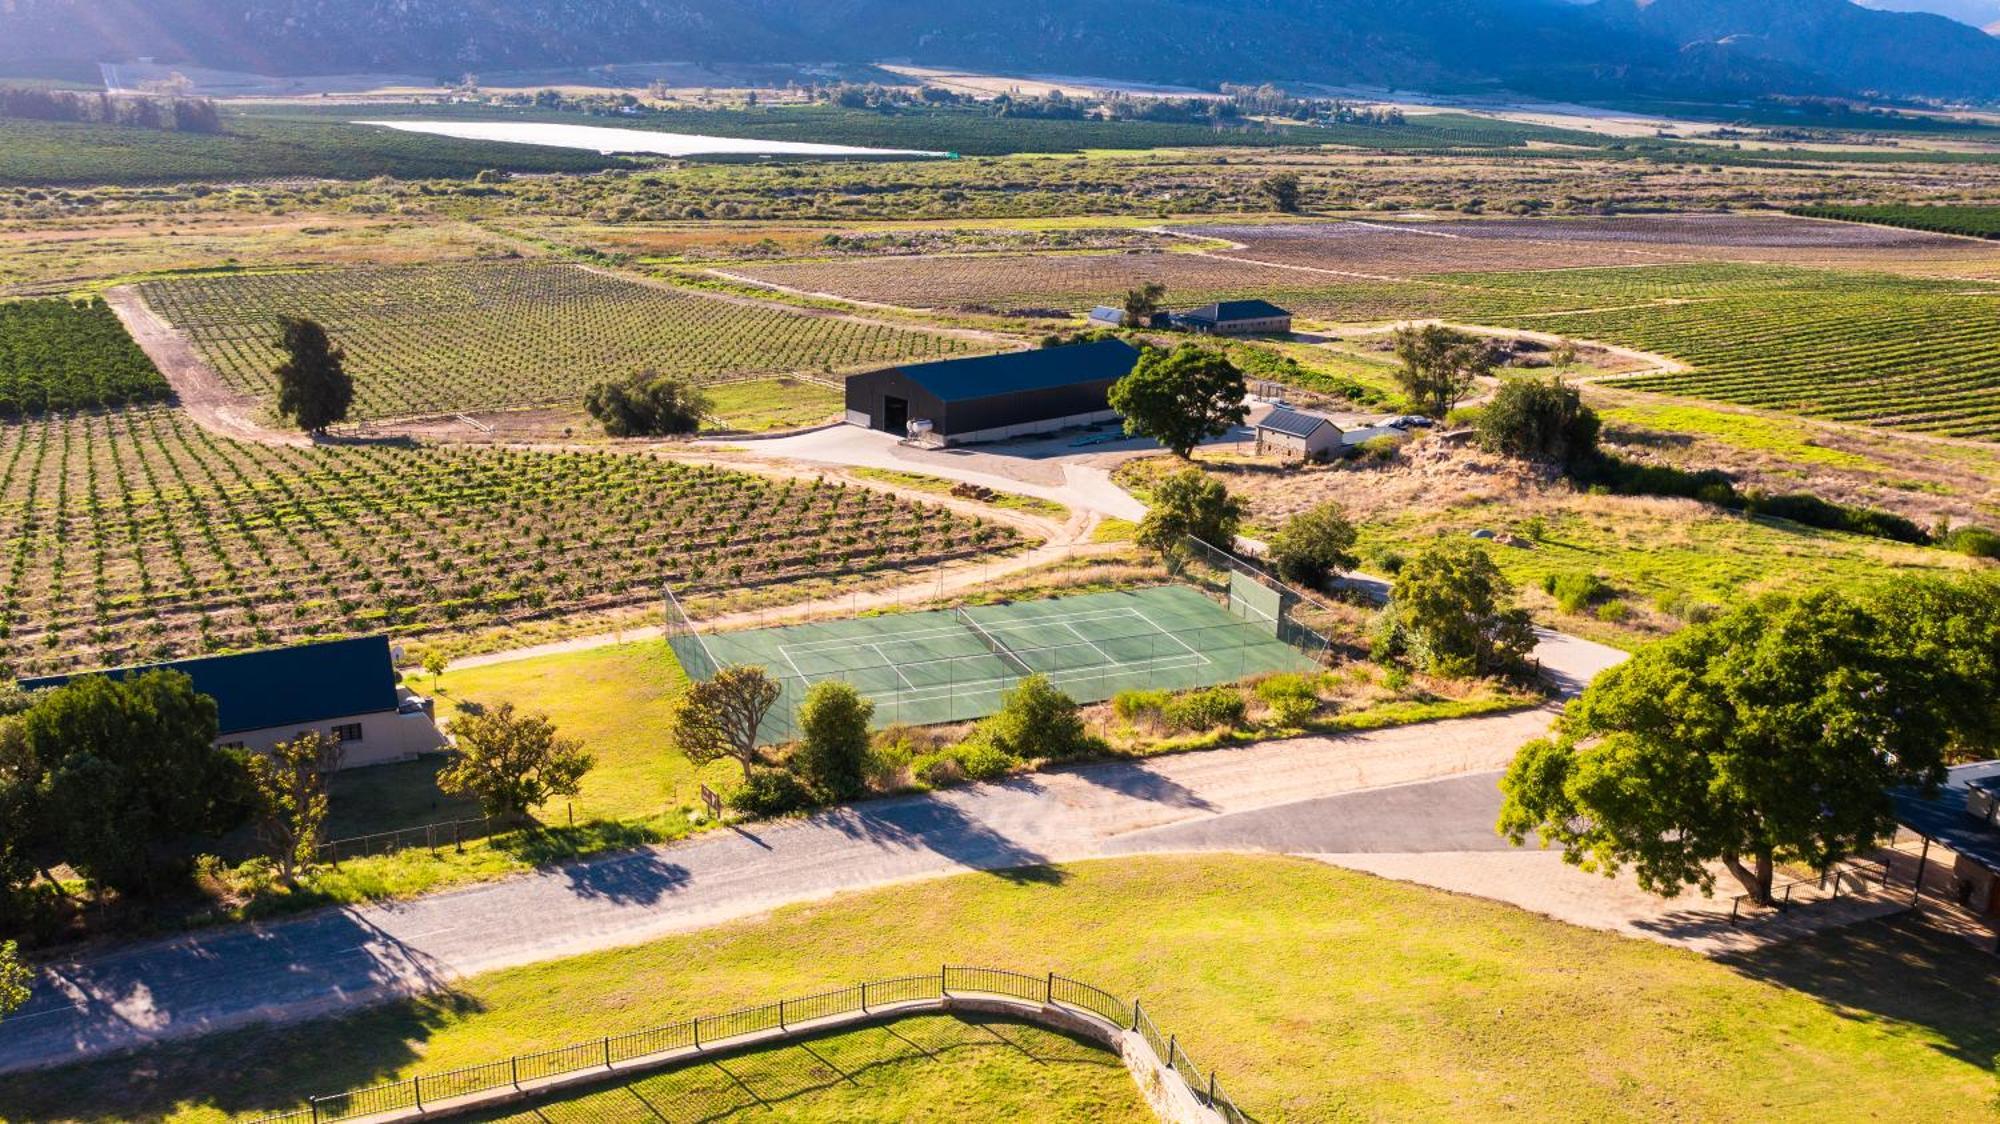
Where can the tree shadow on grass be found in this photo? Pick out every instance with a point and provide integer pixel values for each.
(940, 826)
(235, 1066)
(1894, 971)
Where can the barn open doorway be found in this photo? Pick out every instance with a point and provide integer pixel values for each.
(895, 414)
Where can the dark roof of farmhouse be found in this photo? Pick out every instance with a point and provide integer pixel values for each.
(1293, 423)
(1942, 816)
(1222, 312)
(1046, 368)
(280, 687)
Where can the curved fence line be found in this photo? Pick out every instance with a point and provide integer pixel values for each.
(687, 1040)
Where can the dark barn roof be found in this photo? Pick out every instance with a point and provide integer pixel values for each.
(1293, 423)
(1222, 312)
(956, 380)
(282, 686)
(1943, 816)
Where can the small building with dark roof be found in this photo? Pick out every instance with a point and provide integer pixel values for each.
(992, 397)
(1962, 819)
(1236, 318)
(1107, 316)
(345, 689)
(1296, 434)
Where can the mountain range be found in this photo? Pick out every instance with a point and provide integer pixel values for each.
(1711, 48)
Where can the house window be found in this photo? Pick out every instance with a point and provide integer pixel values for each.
(349, 732)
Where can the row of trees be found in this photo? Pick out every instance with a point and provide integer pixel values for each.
(185, 115)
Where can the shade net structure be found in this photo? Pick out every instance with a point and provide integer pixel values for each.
(955, 665)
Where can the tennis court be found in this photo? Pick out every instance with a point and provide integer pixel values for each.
(954, 665)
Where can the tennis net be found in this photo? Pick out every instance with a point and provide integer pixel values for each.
(993, 643)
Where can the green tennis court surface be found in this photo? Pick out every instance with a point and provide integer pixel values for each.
(954, 665)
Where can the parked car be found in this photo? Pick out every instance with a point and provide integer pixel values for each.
(1409, 421)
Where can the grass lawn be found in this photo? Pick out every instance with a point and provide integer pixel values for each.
(616, 700)
(781, 403)
(927, 1067)
(1316, 993)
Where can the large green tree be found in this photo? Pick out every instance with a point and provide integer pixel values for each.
(1181, 397)
(123, 769)
(314, 389)
(1190, 502)
(1771, 735)
(1452, 613)
(1440, 365)
(512, 763)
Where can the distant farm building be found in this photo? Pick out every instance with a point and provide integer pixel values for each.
(1236, 318)
(1297, 434)
(1111, 316)
(992, 397)
(345, 689)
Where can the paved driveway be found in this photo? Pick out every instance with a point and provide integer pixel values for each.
(1272, 796)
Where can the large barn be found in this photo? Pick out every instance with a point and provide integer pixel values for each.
(992, 397)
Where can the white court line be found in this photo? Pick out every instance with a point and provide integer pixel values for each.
(1171, 636)
(836, 643)
(884, 657)
(789, 660)
(1075, 675)
(1101, 653)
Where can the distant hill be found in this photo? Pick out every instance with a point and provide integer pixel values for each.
(1728, 48)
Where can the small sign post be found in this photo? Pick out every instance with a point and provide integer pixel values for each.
(711, 801)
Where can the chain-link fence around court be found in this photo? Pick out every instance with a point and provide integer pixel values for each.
(956, 665)
(689, 1039)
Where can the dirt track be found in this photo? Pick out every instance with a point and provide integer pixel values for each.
(212, 403)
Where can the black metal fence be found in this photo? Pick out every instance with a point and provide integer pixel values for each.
(707, 1031)
(435, 836)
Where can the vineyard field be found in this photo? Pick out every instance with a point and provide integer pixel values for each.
(1971, 222)
(136, 535)
(55, 355)
(468, 336)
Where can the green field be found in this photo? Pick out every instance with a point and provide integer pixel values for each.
(55, 355)
(445, 338)
(1315, 993)
(137, 535)
(922, 1067)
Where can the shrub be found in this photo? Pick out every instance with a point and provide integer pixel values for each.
(1292, 698)
(1185, 503)
(1613, 611)
(647, 404)
(1314, 545)
(1135, 706)
(1975, 541)
(1205, 709)
(770, 792)
(1451, 613)
(832, 757)
(1574, 592)
(974, 760)
(1538, 420)
(1036, 720)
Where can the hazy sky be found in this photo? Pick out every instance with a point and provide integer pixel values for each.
(1979, 13)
